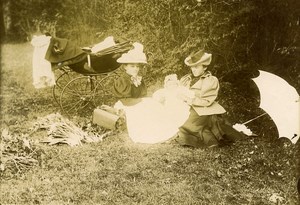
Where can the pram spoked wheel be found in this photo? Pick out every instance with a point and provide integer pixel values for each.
(65, 75)
(77, 96)
(103, 93)
(83, 94)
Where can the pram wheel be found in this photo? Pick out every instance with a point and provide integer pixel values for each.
(77, 96)
(103, 93)
(64, 77)
(81, 95)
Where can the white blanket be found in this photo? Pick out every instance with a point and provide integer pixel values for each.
(153, 122)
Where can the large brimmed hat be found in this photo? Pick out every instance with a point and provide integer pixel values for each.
(136, 55)
(199, 57)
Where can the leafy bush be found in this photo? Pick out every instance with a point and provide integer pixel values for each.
(243, 36)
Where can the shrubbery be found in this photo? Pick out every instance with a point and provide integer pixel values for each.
(242, 35)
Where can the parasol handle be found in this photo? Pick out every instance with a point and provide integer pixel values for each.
(254, 118)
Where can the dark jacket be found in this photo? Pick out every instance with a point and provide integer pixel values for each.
(126, 91)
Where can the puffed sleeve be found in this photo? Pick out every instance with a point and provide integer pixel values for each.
(122, 87)
(207, 93)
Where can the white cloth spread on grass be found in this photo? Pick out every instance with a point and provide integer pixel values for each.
(153, 120)
(41, 68)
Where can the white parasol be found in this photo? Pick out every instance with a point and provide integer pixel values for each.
(281, 101)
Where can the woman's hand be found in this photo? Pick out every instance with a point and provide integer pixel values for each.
(186, 95)
(188, 101)
(185, 98)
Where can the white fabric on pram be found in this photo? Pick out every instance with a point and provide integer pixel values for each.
(108, 42)
(41, 68)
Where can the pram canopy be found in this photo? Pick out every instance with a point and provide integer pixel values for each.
(62, 52)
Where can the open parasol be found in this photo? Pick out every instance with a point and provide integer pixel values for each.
(280, 101)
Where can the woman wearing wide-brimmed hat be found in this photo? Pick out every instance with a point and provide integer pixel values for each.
(204, 127)
(129, 87)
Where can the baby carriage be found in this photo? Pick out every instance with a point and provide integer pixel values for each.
(83, 82)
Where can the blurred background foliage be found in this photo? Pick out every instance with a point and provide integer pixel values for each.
(242, 35)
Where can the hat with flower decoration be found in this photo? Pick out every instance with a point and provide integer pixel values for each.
(135, 55)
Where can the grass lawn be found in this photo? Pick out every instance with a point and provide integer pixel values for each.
(118, 171)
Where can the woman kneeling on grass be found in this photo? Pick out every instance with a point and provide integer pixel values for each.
(205, 127)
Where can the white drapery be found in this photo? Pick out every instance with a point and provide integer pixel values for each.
(41, 68)
(151, 121)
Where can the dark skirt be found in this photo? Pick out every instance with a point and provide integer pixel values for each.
(205, 131)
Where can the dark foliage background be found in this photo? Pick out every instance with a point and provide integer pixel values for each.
(242, 35)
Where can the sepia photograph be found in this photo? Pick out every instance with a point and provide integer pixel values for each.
(150, 102)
